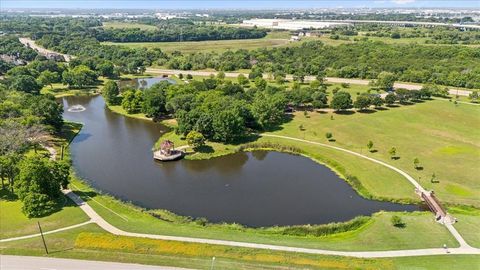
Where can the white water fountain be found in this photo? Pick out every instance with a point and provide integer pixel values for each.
(76, 108)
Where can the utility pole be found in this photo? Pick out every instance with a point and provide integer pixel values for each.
(43, 238)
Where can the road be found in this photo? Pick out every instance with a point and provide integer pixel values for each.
(8, 262)
(30, 43)
(408, 86)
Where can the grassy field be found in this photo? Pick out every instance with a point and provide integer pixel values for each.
(128, 25)
(468, 223)
(273, 39)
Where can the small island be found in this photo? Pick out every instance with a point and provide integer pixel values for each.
(167, 152)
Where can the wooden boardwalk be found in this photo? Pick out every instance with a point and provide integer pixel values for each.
(436, 207)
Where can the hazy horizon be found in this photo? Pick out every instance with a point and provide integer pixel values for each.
(246, 5)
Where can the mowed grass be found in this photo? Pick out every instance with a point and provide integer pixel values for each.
(442, 135)
(128, 25)
(14, 223)
(468, 223)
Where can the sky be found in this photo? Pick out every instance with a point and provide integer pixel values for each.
(235, 4)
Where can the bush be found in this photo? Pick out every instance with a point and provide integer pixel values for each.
(397, 221)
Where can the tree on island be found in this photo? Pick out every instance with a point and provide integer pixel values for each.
(195, 139)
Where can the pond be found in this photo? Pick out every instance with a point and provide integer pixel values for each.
(114, 154)
(142, 83)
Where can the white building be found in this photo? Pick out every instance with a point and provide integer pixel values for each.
(291, 24)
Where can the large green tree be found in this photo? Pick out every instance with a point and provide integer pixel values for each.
(341, 101)
(110, 92)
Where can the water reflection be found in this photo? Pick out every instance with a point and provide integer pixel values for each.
(142, 83)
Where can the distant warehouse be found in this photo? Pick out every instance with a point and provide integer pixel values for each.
(291, 24)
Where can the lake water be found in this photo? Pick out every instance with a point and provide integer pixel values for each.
(114, 154)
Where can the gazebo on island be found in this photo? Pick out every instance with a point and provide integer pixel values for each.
(167, 152)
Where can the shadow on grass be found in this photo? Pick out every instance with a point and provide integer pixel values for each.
(206, 149)
(367, 111)
(395, 158)
(344, 112)
(381, 109)
(393, 106)
(373, 151)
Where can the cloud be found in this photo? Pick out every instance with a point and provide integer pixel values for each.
(402, 2)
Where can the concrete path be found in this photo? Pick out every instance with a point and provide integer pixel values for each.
(408, 86)
(8, 262)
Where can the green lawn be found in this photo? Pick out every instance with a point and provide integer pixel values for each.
(468, 224)
(14, 223)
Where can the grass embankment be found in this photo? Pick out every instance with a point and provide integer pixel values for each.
(62, 90)
(105, 247)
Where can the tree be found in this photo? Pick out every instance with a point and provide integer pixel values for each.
(48, 77)
(377, 101)
(25, 83)
(385, 81)
(79, 76)
(370, 146)
(403, 95)
(279, 77)
(341, 101)
(260, 83)
(268, 109)
(195, 139)
(49, 111)
(397, 221)
(392, 152)
(221, 75)
(132, 101)
(474, 96)
(319, 99)
(154, 100)
(228, 125)
(38, 184)
(106, 69)
(390, 99)
(242, 80)
(416, 163)
(363, 101)
(329, 136)
(110, 92)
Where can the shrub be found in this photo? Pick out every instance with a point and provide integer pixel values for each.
(397, 221)
(195, 139)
